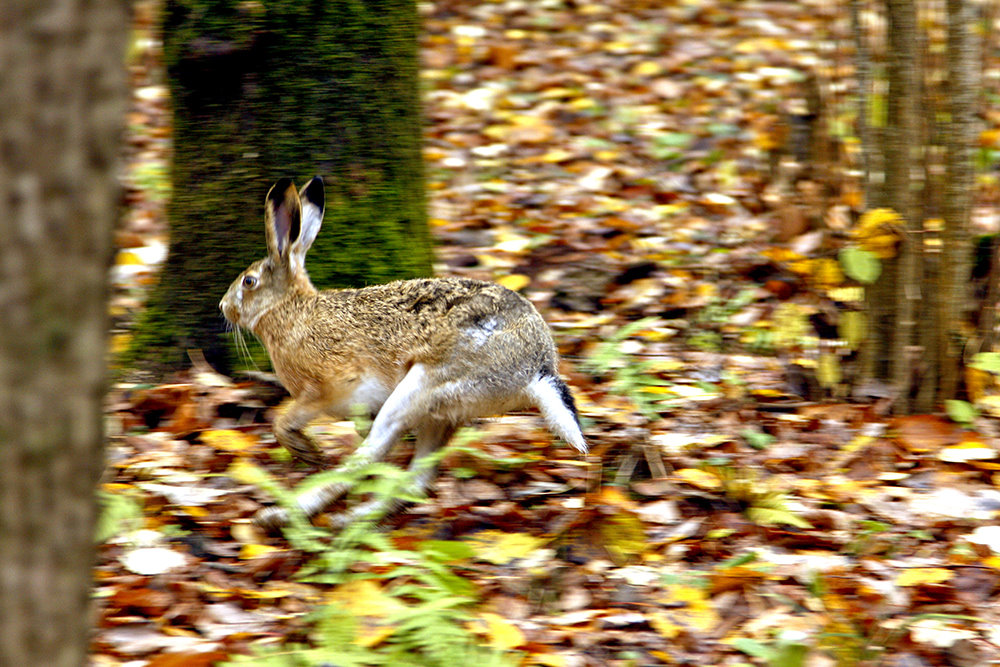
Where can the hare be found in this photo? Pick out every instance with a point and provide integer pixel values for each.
(423, 356)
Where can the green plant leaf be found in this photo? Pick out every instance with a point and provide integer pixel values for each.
(447, 550)
(757, 439)
(986, 361)
(768, 516)
(860, 265)
(853, 329)
(754, 648)
(962, 412)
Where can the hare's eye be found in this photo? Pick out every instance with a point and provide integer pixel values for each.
(249, 281)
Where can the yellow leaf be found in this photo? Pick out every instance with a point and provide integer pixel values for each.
(556, 155)
(503, 634)
(853, 327)
(369, 636)
(690, 606)
(624, 537)
(245, 472)
(647, 68)
(499, 548)
(269, 594)
(858, 442)
(878, 232)
(126, 257)
(827, 274)
(848, 294)
(990, 138)
(920, 576)
(509, 241)
(992, 561)
(759, 44)
(658, 389)
(364, 597)
(554, 93)
(612, 495)
(828, 369)
(977, 383)
(228, 440)
(662, 624)
(582, 104)
(116, 487)
(780, 254)
(515, 281)
(700, 478)
(119, 343)
(256, 550)
(194, 511)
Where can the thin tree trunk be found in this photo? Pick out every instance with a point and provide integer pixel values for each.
(904, 136)
(863, 67)
(873, 349)
(963, 50)
(63, 89)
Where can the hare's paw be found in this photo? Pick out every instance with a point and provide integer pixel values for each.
(299, 445)
(270, 518)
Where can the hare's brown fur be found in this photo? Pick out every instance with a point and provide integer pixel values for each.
(421, 355)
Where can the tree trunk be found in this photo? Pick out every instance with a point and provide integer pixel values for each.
(63, 87)
(927, 153)
(963, 50)
(903, 142)
(286, 88)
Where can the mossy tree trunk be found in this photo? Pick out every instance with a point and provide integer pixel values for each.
(285, 88)
(64, 90)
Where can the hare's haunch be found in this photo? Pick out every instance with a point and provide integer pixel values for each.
(423, 356)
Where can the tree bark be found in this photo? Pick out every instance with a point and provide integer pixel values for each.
(286, 88)
(903, 141)
(963, 70)
(63, 87)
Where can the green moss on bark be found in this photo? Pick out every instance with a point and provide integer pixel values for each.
(285, 88)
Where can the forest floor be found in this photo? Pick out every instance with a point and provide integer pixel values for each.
(637, 171)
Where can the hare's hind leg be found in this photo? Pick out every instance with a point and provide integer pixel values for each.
(430, 436)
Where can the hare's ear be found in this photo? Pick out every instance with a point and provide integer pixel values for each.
(282, 218)
(313, 205)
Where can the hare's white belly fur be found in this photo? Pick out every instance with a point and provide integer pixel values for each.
(369, 395)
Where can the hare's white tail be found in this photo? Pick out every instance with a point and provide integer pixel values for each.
(552, 397)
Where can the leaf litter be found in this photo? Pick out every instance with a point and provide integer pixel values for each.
(625, 166)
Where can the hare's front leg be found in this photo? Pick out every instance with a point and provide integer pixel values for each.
(288, 431)
(400, 412)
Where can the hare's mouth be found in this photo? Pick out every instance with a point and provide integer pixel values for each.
(230, 312)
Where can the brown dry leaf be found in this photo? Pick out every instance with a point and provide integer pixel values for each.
(925, 433)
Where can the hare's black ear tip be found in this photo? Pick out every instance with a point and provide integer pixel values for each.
(279, 188)
(314, 191)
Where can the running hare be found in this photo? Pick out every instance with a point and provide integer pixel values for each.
(422, 356)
